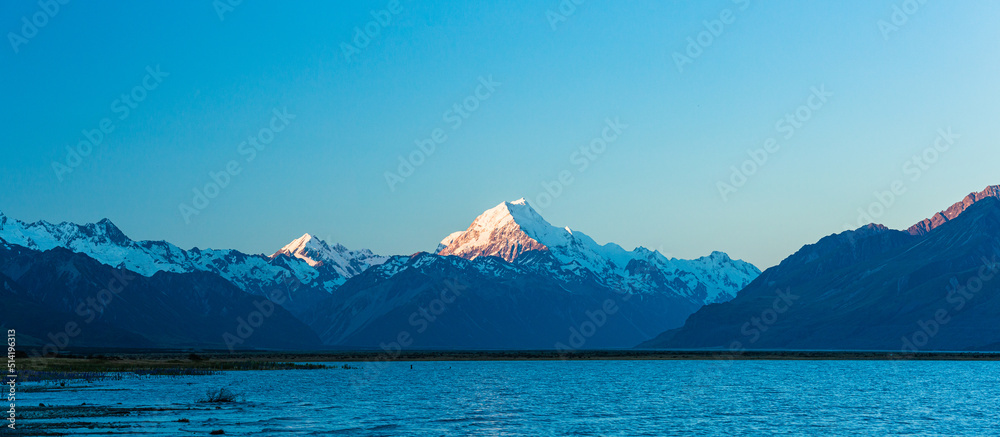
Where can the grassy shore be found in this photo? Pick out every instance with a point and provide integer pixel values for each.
(613, 355)
(167, 363)
(117, 366)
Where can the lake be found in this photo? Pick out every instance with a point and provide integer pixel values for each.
(491, 398)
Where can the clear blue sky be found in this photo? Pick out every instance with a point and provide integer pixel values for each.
(655, 186)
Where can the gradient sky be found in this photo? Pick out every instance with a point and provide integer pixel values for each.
(655, 186)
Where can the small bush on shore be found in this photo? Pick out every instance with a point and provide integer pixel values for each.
(222, 395)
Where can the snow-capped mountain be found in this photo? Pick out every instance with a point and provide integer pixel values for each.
(527, 284)
(512, 229)
(115, 308)
(317, 253)
(107, 244)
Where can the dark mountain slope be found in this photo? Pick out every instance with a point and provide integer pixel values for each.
(447, 302)
(166, 310)
(871, 289)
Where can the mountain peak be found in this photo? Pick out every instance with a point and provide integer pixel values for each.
(526, 216)
(955, 210)
(503, 231)
(300, 247)
(106, 228)
(719, 255)
(316, 253)
(108, 225)
(305, 240)
(512, 229)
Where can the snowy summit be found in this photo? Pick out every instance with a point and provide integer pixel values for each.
(512, 229)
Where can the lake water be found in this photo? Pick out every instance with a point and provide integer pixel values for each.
(554, 398)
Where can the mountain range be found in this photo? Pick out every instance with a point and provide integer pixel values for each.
(58, 298)
(516, 282)
(510, 280)
(525, 284)
(935, 286)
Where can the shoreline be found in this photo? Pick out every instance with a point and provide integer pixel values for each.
(127, 360)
